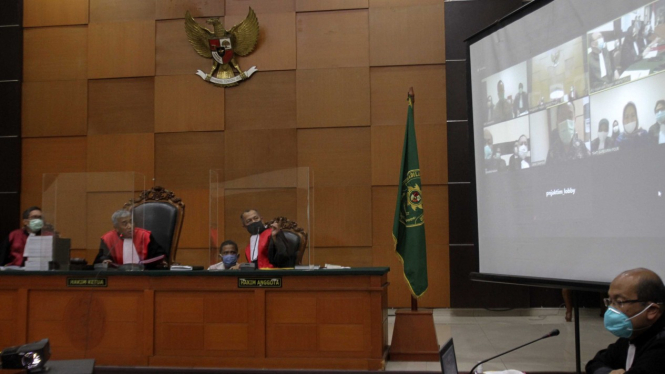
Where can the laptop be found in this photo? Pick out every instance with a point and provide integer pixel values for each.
(448, 359)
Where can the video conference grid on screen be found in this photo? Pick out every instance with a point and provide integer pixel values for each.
(569, 133)
(570, 94)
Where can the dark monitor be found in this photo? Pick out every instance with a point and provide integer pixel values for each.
(448, 359)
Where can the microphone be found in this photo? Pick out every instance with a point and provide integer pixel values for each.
(550, 334)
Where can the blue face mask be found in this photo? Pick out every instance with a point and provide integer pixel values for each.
(488, 152)
(620, 324)
(230, 260)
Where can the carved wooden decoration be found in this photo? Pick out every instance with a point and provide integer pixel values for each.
(158, 194)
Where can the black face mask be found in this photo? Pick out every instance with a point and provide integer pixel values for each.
(255, 228)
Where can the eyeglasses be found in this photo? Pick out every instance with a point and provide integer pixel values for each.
(608, 302)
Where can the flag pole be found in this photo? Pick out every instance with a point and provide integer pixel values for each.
(414, 334)
(414, 301)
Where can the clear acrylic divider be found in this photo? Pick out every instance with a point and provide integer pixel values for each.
(77, 209)
(277, 193)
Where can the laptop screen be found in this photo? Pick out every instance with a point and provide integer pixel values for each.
(448, 359)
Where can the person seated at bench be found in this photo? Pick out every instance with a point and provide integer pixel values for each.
(228, 252)
(11, 249)
(126, 244)
(635, 315)
(266, 248)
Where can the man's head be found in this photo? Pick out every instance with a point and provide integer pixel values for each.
(522, 146)
(520, 87)
(252, 221)
(500, 89)
(522, 140)
(638, 294)
(565, 114)
(597, 42)
(228, 251)
(630, 121)
(229, 247)
(122, 223)
(250, 216)
(32, 219)
(487, 135)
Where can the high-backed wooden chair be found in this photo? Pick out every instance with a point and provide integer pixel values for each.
(162, 213)
(296, 236)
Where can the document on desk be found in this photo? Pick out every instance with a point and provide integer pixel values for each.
(38, 246)
(331, 266)
(181, 268)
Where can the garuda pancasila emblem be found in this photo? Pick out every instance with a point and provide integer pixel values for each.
(222, 46)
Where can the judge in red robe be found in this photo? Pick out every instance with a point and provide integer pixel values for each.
(11, 249)
(127, 244)
(268, 247)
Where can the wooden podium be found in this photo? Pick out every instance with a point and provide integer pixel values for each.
(267, 319)
(414, 337)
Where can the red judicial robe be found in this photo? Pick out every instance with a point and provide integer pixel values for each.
(114, 243)
(262, 257)
(17, 240)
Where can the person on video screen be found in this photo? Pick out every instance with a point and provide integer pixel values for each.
(520, 105)
(490, 109)
(603, 141)
(657, 130)
(601, 65)
(632, 136)
(496, 163)
(503, 111)
(565, 144)
(487, 149)
(631, 50)
(572, 94)
(615, 130)
(520, 158)
(489, 141)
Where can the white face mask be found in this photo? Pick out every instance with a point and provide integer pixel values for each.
(660, 117)
(566, 130)
(630, 127)
(602, 135)
(522, 151)
(615, 129)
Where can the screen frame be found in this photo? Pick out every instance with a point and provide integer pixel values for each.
(505, 278)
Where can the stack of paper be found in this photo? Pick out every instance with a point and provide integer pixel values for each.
(39, 251)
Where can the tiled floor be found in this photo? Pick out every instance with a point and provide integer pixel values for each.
(480, 334)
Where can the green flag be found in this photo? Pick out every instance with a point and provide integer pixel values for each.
(409, 225)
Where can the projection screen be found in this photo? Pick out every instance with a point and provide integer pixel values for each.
(568, 118)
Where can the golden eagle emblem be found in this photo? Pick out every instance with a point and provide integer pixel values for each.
(222, 46)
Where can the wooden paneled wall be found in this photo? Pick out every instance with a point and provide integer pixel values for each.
(11, 50)
(109, 85)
